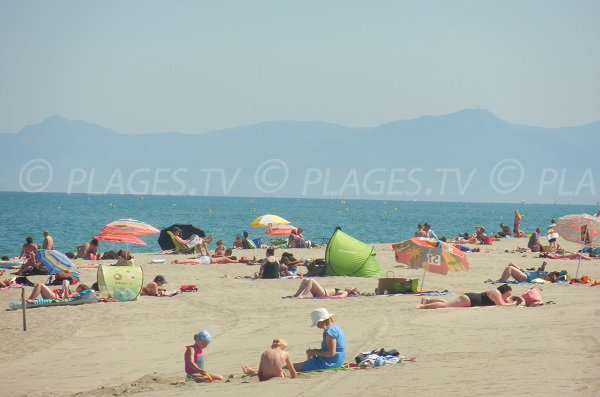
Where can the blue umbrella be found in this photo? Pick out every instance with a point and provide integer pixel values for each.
(56, 262)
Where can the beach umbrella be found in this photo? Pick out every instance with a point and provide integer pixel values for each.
(281, 230)
(129, 226)
(432, 255)
(268, 219)
(187, 230)
(579, 228)
(56, 262)
(120, 238)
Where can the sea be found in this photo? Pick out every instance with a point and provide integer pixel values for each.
(75, 218)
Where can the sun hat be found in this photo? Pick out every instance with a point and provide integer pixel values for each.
(203, 336)
(318, 315)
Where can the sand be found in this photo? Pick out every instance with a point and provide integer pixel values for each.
(136, 348)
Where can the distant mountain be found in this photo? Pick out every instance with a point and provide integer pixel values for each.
(470, 155)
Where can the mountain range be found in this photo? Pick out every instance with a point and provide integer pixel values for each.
(470, 155)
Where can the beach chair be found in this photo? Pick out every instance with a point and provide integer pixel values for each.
(180, 248)
(278, 243)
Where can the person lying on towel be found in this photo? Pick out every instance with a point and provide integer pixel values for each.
(501, 296)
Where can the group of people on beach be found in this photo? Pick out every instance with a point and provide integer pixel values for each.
(276, 360)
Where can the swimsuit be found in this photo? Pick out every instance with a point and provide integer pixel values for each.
(479, 299)
(198, 360)
(204, 260)
(271, 270)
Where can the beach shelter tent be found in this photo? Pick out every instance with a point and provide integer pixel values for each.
(166, 243)
(347, 256)
(123, 283)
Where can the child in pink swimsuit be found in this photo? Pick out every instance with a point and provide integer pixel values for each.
(193, 359)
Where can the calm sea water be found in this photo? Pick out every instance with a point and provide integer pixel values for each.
(75, 218)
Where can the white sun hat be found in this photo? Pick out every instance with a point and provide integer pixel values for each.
(319, 314)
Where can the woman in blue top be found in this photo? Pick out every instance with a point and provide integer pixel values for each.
(333, 346)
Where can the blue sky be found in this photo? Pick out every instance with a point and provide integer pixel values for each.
(197, 66)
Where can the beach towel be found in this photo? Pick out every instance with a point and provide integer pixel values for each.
(84, 297)
(10, 265)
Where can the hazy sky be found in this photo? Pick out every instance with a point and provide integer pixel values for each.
(196, 66)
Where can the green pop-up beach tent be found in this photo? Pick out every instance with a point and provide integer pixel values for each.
(122, 283)
(347, 256)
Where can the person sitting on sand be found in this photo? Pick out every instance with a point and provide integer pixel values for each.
(238, 242)
(290, 262)
(154, 288)
(310, 287)
(534, 241)
(63, 293)
(420, 232)
(500, 296)
(31, 267)
(270, 266)
(272, 362)
(333, 345)
(193, 359)
(207, 260)
(28, 248)
(429, 233)
(247, 243)
(88, 250)
(220, 250)
(504, 231)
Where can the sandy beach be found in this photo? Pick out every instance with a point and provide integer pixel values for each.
(136, 348)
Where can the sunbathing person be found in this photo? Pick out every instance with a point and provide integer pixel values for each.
(154, 288)
(500, 296)
(88, 250)
(206, 260)
(272, 362)
(466, 238)
(63, 293)
(521, 275)
(9, 282)
(310, 287)
(31, 267)
(201, 243)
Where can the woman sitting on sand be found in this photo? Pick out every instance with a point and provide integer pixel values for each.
(309, 287)
(500, 296)
(63, 293)
(333, 345)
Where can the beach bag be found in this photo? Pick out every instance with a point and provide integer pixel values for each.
(396, 285)
(532, 297)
